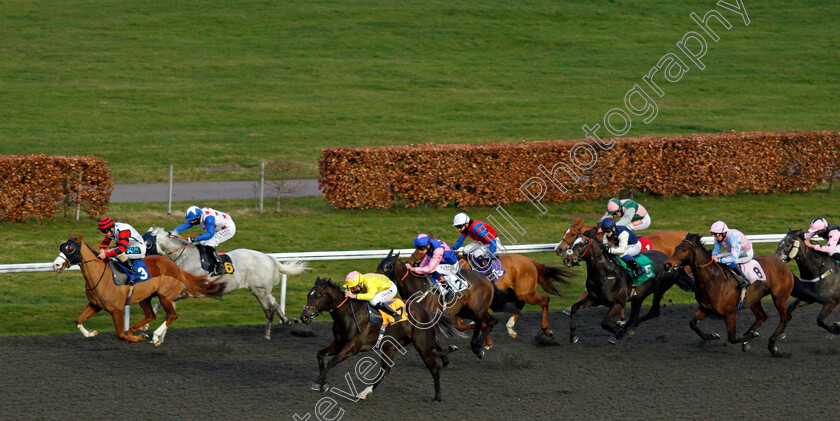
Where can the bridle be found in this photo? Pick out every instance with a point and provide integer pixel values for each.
(316, 311)
(693, 246)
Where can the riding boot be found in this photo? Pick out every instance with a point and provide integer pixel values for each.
(125, 262)
(448, 290)
(740, 278)
(384, 307)
(215, 261)
(635, 268)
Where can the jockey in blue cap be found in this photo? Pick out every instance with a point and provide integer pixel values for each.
(439, 260)
(218, 228)
(627, 245)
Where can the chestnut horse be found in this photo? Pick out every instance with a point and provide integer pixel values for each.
(821, 273)
(353, 332)
(473, 303)
(167, 281)
(522, 275)
(718, 293)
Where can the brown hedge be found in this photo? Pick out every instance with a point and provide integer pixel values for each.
(493, 173)
(38, 186)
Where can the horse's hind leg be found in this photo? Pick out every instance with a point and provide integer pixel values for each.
(781, 307)
(169, 306)
(699, 315)
(148, 315)
(262, 296)
(760, 317)
(606, 323)
(421, 345)
(386, 357)
(87, 313)
(657, 299)
(826, 310)
(635, 309)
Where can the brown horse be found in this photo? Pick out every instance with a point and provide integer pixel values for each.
(473, 303)
(717, 292)
(165, 282)
(522, 275)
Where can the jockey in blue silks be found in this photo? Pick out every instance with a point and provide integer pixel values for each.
(439, 261)
(627, 245)
(740, 249)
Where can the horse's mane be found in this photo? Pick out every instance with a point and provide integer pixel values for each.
(696, 239)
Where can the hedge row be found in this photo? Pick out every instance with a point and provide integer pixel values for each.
(38, 186)
(502, 173)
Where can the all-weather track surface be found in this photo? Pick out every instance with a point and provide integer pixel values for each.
(214, 373)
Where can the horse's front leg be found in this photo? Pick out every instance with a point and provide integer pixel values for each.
(118, 315)
(731, 320)
(350, 349)
(606, 322)
(87, 313)
(585, 301)
(699, 315)
(635, 309)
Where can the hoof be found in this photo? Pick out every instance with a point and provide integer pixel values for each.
(549, 333)
(567, 311)
(480, 354)
(94, 333)
(316, 387)
(488, 347)
(830, 336)
(512, 334)
(574, 339)
(452, 348)
(715, 336)
(613, 340)
(437, 398)
(782, 336)
(157, 344)
(621, 323)
(745, 346)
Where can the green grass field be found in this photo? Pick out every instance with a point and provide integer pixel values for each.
(219, 82)
(40, 303)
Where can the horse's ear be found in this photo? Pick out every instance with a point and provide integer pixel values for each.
(79, 240)
(390, 253)
(397, 256)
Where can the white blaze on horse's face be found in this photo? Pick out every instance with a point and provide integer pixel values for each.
(60, 263)
(578, 241)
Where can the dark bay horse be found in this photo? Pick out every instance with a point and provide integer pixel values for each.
(102, 293)
(717, 292)
(473, 303)
(820, 277)
(353, 333)
(608, 284)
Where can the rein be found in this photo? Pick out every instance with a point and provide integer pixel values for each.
(100, 276)
(707, 263)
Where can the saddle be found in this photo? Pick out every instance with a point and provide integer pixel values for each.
(493, 271)
(377, 316)
(225, 262)
(121, 275)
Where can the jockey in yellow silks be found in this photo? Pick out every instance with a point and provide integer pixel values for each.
(374, 288)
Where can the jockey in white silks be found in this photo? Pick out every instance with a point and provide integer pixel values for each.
(631, 214)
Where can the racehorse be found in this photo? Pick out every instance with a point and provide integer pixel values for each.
(164, 283)
(522, 275)
(353, 332)
(608, 283)
(473, 303)
(253, 270)
(717, 293)
(820, 277)
(664, 241)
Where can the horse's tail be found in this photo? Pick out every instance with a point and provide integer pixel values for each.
(198, 286)
(501, 299)
(447, 329)
(295, 267)
(549, 277)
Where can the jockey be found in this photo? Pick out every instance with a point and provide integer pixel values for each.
(480, 232)
(374, 288)
(129, 243)
(631, 214)
(828, 231)
(439, 260)
(218, 227)
(627, 245)
(740, 249)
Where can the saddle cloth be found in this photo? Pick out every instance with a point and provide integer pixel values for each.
(753, 271)
(121, 276)
(377, 316)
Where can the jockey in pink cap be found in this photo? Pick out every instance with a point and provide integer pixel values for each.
(631, 214)
(828, 231)
(740, 249)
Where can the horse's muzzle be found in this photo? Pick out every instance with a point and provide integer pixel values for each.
(306, 317)
(670, 268)
(60, 263)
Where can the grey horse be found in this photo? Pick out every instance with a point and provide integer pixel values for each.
(253, 270)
